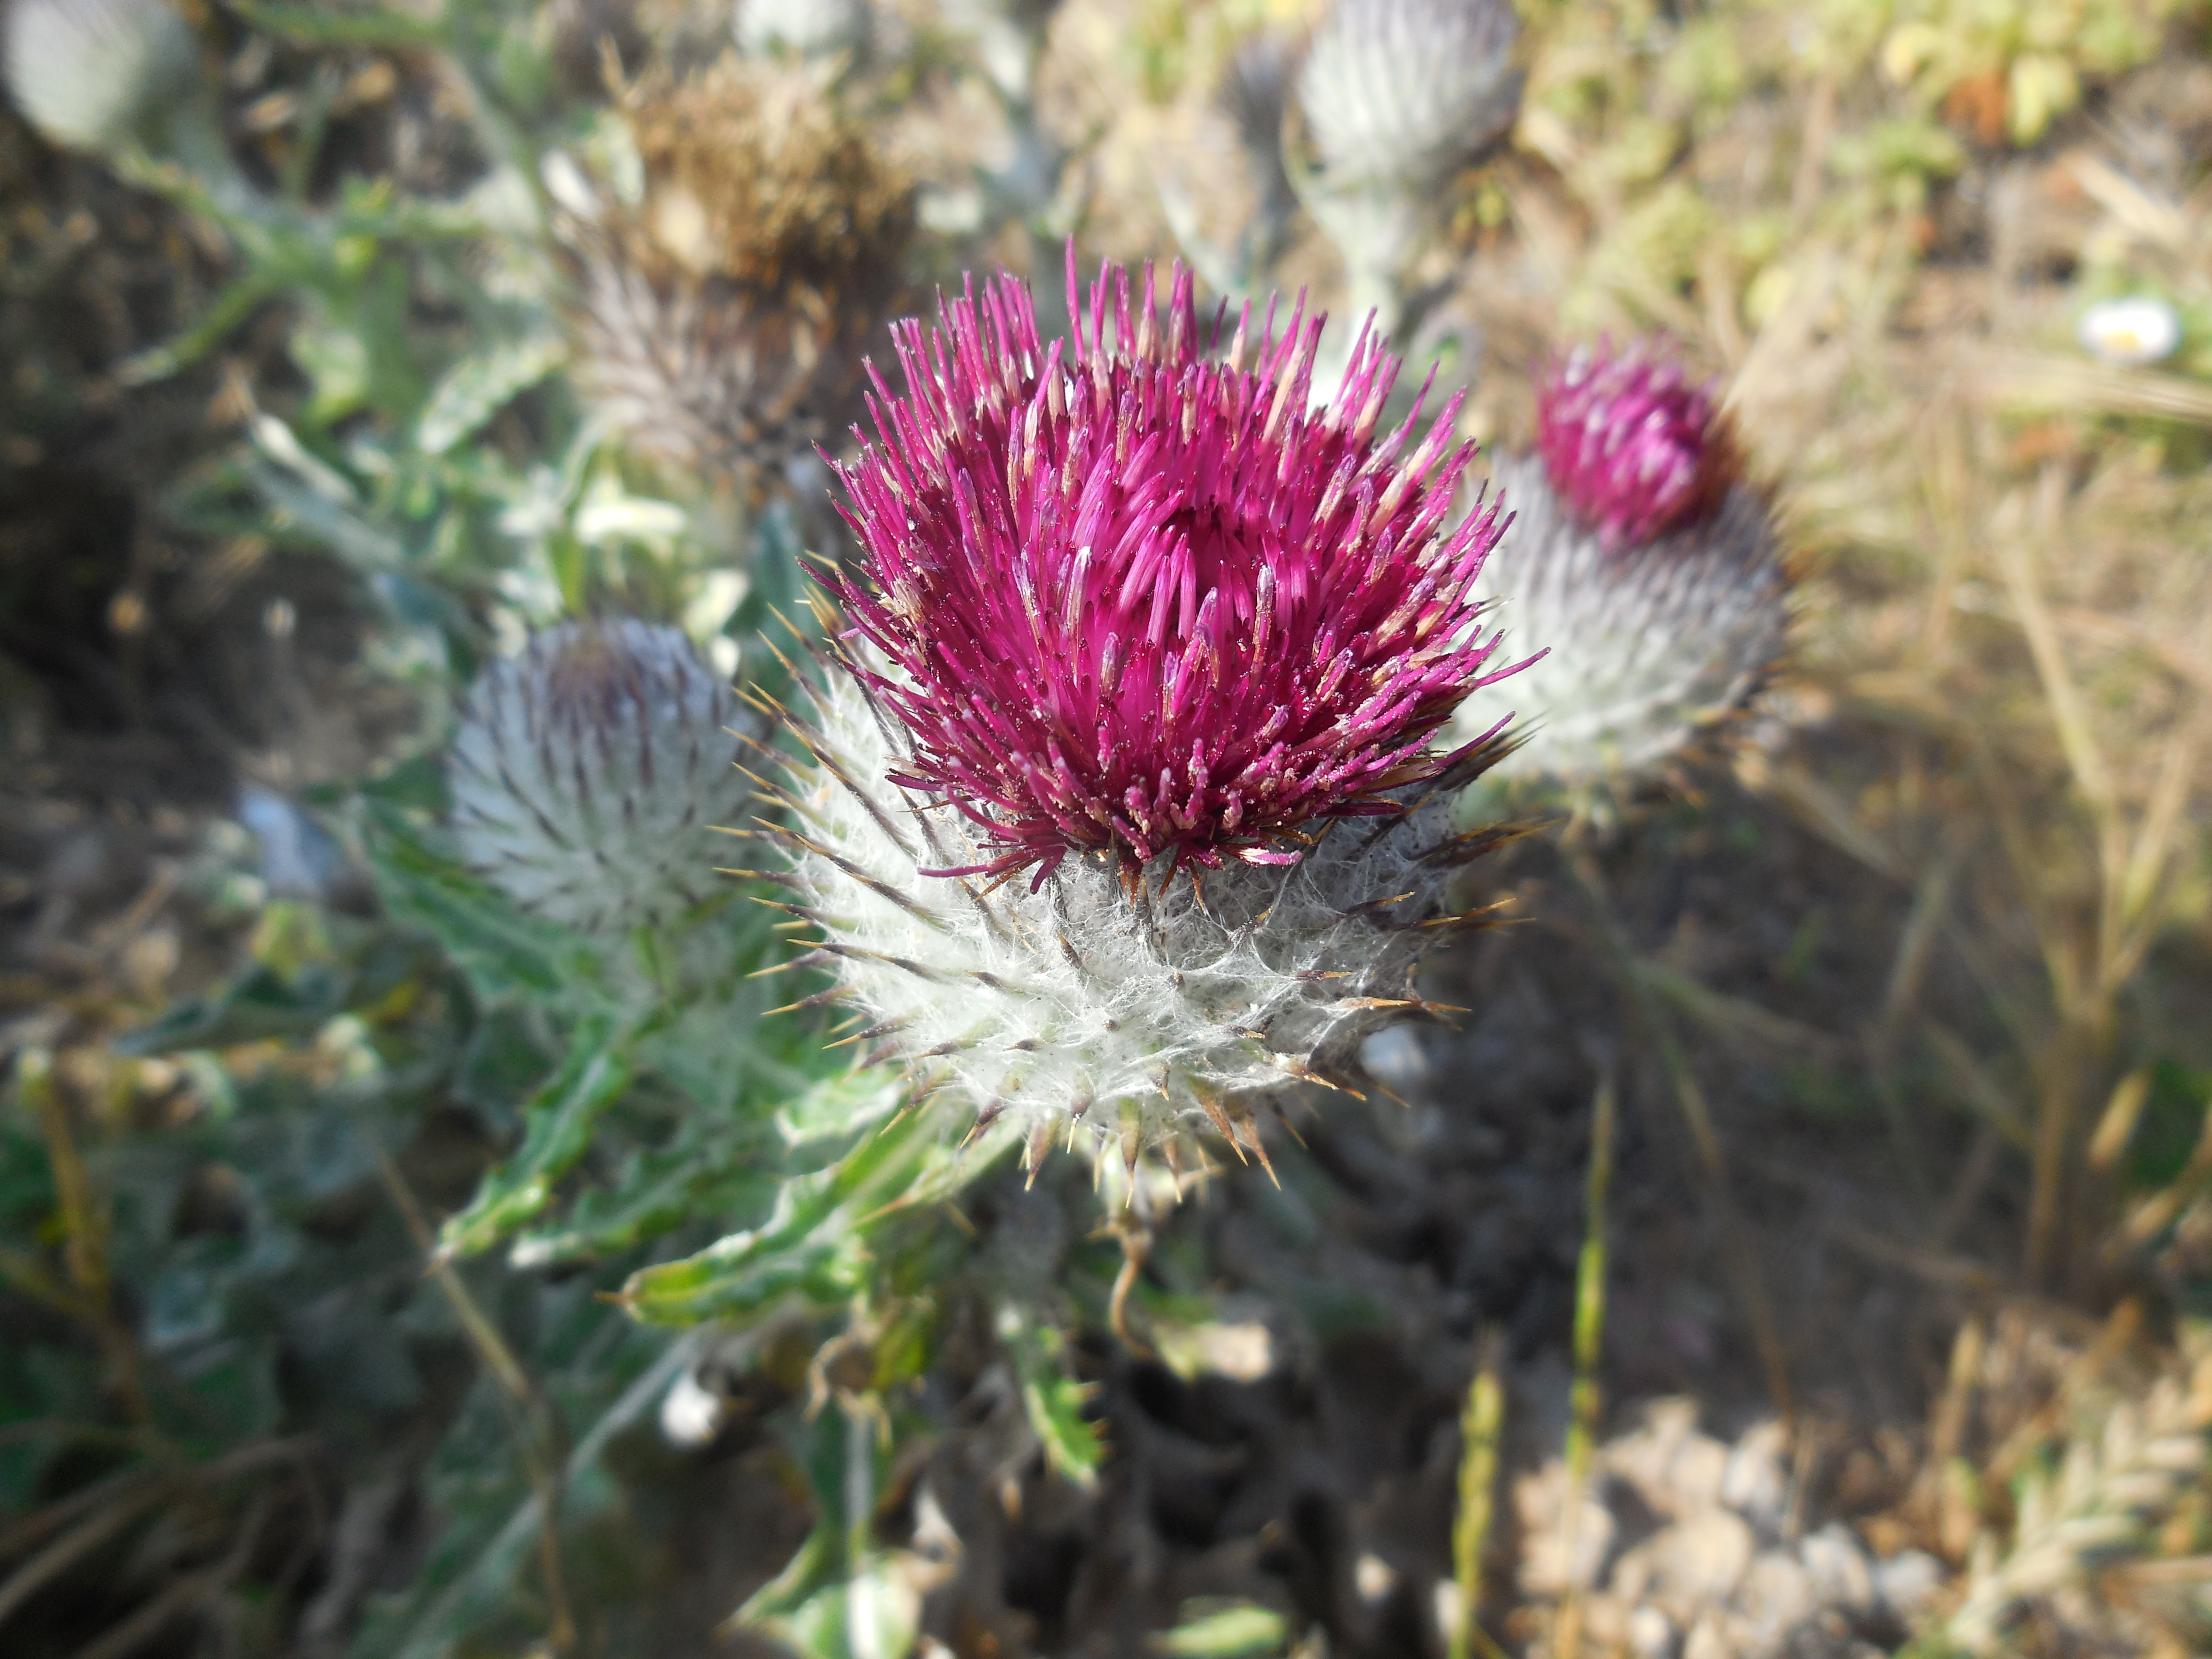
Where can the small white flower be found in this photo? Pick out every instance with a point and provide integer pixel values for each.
(590, 774)
(2141, 329)
(1646, 646)
(88, 73)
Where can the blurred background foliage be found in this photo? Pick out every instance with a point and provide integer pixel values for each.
(378, 1259)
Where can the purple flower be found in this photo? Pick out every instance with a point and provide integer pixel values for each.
(1631, 446)
(1135, 597)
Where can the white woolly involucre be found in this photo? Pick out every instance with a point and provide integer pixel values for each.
(1648, 645)
(1403, 90)
(590, 774)
(1079, 1007)
(88, 73)
(807, 28)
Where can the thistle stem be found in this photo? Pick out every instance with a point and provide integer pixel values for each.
(1481, 1424)
(1585, 1401)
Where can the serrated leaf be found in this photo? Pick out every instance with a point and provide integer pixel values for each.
(502, 950)
(824, 1626)
(655, 1192)
(264, 1003)
(478, 387)
(479, 1591)
(558, 1119)
(1053, 1401)
(1230, 1632)
(809, 1245)
(259, 1004)
(1073, 1444)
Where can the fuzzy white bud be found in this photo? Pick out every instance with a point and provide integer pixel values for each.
(1089, 1010)
(1648, 645)
(804, 28)
(88, 74)
(1404, 90)
(590, 774)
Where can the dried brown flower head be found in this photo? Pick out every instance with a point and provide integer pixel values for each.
(725, 312)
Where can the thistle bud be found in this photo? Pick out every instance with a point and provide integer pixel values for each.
(1122, 807)
(1406, 90)
(1639, 563)
(802, 28)
(591, 772)
(92, 74)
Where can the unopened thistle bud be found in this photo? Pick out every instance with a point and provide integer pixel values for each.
(1123, 807)
(802, 28)
(1640, 563)
(92, 74)
(1404, 91)
(590, 774)
(724, 315)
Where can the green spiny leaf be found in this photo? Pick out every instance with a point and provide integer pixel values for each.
(478, 387)
(559, 1119)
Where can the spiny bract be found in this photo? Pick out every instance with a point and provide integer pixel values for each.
(591, 772)
(1144, 624)
(1088, 1008)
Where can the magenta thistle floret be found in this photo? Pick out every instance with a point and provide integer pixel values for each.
(1631, 446)
(1137, 597)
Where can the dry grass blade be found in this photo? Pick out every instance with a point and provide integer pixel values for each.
(2067, 383)
(530, 1418)
(2156, 841)
(2009, 541)
(185, 1595)
(83, 1215)
(1696, 1115)
(81, 1542)
(2155, 1214)
(1819, 808)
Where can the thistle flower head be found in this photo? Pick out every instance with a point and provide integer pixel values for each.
(1405, 90)
(723, 312)
(1631, 446)
(1131, 615)
(1135, 599)
(590, 772)
(88, 73)
(1645, 645)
